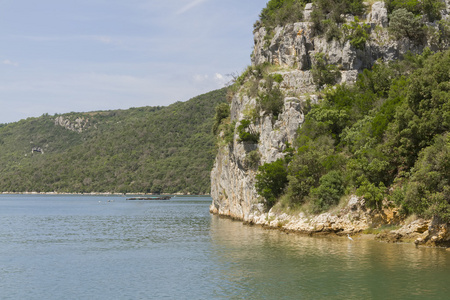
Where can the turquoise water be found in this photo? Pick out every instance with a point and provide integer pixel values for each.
(73, 247)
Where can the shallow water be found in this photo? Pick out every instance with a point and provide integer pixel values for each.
(73, 247)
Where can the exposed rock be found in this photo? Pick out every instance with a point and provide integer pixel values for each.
(295, 46)
(78, 125)
(307, 12)
(37, 150)
(232, 184)
(353, 218)
(422, 232)
(379, 14)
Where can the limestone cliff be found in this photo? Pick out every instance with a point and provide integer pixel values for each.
(293, 49)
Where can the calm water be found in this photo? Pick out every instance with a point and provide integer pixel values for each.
(71, 247)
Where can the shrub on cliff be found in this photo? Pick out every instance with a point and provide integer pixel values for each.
(430, 8)
(335, 9)
(404, 24)
(357, 33)
(324, 73)
(246, 134)
(327, 14)
(280, 12)
(271, 99)
(271, 181)
(252, 159)
(271, 102)
(222, 112)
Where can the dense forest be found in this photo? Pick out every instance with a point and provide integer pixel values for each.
(140, 150)
(385, 138)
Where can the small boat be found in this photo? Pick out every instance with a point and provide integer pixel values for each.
(151, 198)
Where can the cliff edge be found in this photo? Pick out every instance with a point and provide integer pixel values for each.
(289, 53)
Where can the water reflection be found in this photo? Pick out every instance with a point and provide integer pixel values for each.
(177, 250)
(267, 264)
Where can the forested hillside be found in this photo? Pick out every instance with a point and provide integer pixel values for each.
(146, 150)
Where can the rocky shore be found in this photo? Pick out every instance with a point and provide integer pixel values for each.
(355, 219)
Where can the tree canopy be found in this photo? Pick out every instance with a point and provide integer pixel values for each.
(147, 150)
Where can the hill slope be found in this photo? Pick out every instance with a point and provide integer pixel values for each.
(149, 149)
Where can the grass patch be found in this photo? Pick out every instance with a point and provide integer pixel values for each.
(381, 229)
(411, 219)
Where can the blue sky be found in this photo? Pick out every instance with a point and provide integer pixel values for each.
(59, 56)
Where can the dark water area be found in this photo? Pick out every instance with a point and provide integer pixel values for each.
(86, 247)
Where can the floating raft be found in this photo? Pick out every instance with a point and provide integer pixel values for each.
(151, 198)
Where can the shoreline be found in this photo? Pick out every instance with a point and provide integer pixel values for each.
(100, 194)
(355, 220)
(385, 237)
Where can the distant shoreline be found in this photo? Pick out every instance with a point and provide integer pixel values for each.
(97, 194)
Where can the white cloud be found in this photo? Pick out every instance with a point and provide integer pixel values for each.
(208, 82)
(9, 63)
(189, 6)
(221, 79)
(103, 39)
(198, 78)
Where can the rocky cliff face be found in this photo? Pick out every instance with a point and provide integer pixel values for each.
(232, 182)
(292, 48)
(295, 45)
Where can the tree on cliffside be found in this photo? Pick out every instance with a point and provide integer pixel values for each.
(271, 181)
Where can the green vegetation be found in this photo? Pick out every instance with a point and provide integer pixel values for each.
(404, 24)
(386, 137)
(271, 181)
(271, 100)
(329, 191)
(280, 12)
(430, 8)
(257, 82)
(324, 73)
(149, 150)
(357, 33)
(407, 20)
(328, 14)
(222, 113)
(246, 134)
(252, 159)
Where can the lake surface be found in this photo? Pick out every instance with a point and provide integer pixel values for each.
(83, 247)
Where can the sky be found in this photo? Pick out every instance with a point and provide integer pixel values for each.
(59, 56)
